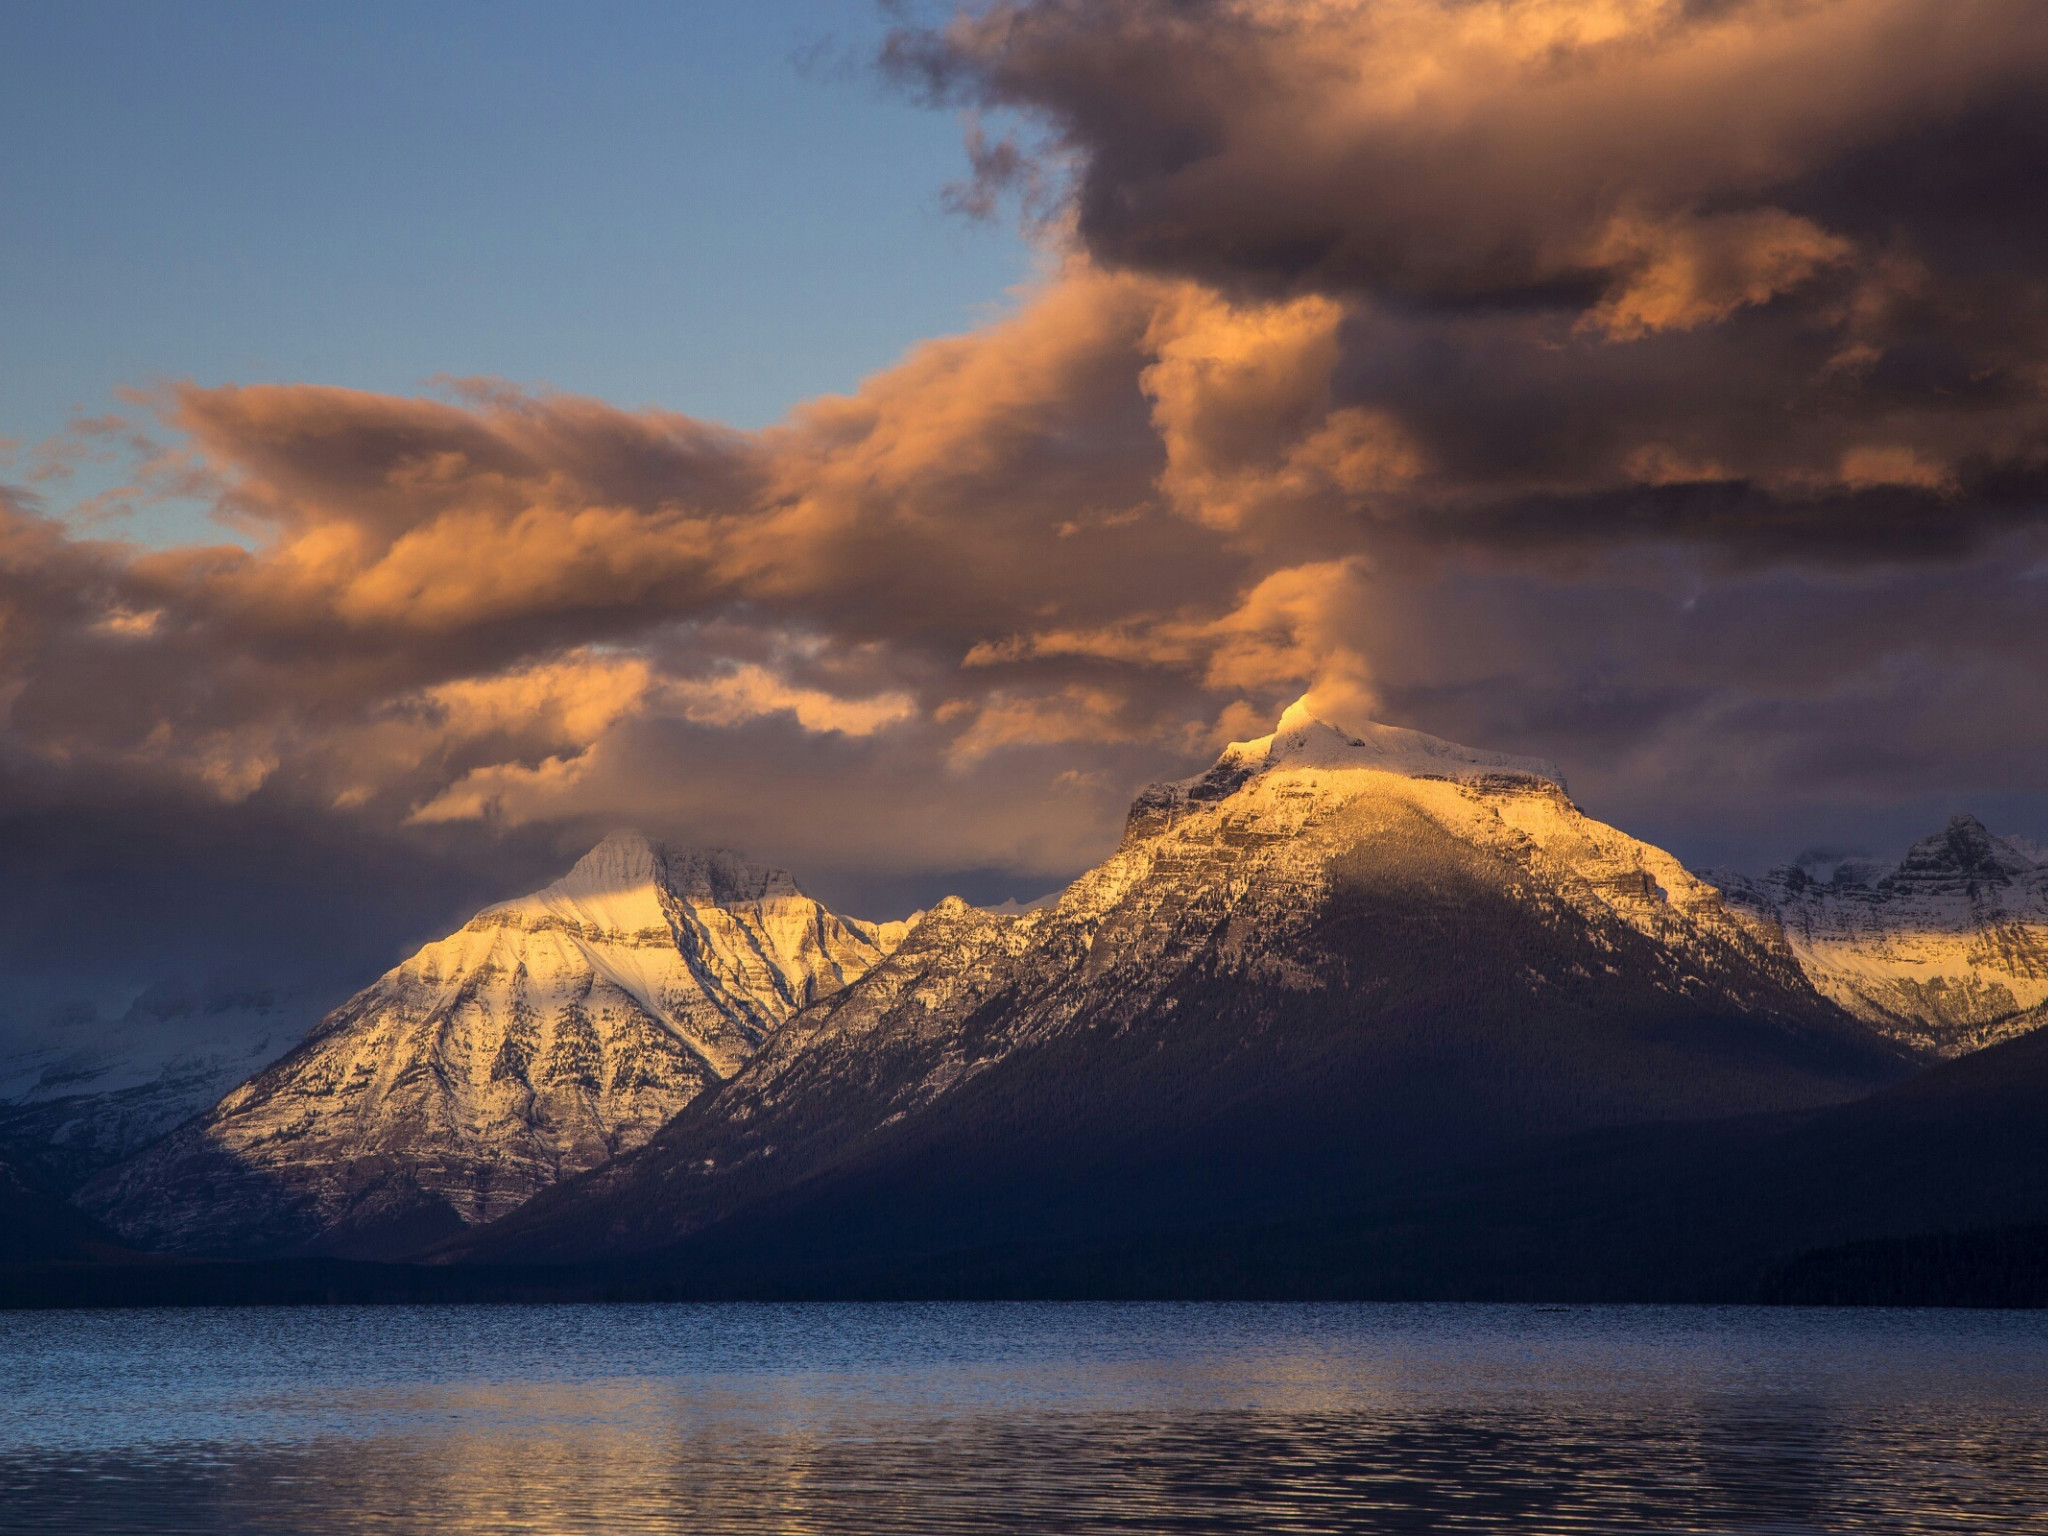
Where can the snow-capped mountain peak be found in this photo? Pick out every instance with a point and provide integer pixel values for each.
(1947, 949)
(1303, 742)
(620, 885)
(548, 1033)
(1965, 849)
(624, 858)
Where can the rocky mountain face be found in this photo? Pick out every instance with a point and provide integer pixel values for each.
(79, 1093)
(1946, 952)
(1328, 957)
(549, 1034)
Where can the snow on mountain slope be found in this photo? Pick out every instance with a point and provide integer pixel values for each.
(1300, 741)
(1328, 949)
(1947, 952)
(548, 1034)
(78, 1093)
(1290, 784)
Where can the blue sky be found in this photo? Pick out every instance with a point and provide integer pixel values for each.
(714, 208)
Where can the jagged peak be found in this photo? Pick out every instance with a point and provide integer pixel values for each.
(622, 861)
(629, 861)
(1966, 847)
(1012, 907)
(939, 924)
(721, 876)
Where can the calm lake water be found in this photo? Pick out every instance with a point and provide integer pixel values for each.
(1038, 1418)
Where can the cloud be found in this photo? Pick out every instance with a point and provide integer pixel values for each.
(627, 692)
(1683, 273)
(1472, 153)
(748, 692)
(511, 792)
(1657, 387)
(1242, 400)
(1002, 720)
(1498, 258)
(490, 606)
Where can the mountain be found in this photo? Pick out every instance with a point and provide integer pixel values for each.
(1330, 960)
(1933, 1174)
(79, 1093)
(547, 1035)
(1946, 952)
(38, 1227)
(1925, 1193)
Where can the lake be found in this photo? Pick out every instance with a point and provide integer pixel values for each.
(1022, 1417)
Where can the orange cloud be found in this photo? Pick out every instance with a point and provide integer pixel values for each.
(1073, 714)
(1243, 403)
(749, 692)
(1287, 633)
(1348, 302)
(1686, 272)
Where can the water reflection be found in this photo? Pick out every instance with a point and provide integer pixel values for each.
(1039, 1419)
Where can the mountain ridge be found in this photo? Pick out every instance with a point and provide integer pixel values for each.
(1334, 966)
(1947, 951)
(547, 1034)
(1317, 943)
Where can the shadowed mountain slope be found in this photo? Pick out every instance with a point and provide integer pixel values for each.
(1328, 960)
(38, 1227)
(78, 1094)
(1768, 1207)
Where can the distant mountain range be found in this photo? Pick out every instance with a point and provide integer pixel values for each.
(1947, 951)
(79, 1093)
(1341, 1015)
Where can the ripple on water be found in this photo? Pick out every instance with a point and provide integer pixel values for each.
(1082, 1418)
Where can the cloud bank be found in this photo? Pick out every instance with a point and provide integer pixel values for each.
(1660, 386)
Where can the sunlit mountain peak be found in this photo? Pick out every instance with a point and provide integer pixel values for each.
(1301, 739)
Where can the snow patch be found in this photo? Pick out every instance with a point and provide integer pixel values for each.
(1301, 740)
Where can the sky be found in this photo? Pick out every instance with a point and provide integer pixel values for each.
(881, 439)
(718, 209)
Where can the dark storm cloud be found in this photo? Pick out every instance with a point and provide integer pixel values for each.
(105, 890)
(1794, 255)
(1500, 153)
